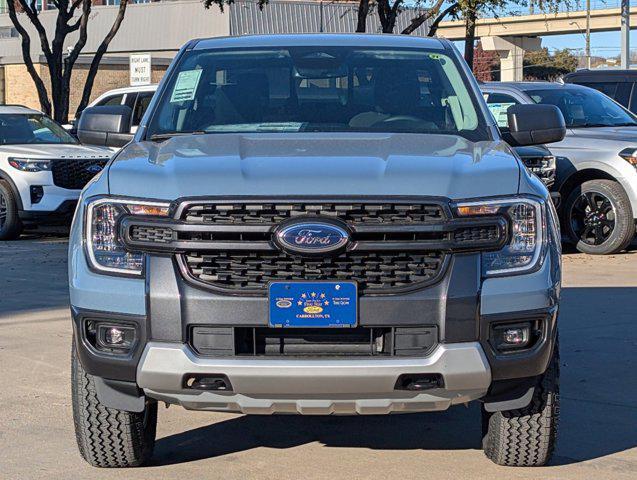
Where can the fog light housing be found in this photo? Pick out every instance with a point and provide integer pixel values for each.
(111, 337)
(37, 192)
(511, 336)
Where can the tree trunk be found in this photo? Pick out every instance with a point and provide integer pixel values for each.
(363, 11)
(101, 50)
(470, 37)
(43, 96)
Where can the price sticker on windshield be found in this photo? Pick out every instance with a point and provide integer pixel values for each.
(186, 86)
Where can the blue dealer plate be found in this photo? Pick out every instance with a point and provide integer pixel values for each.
(313, 304)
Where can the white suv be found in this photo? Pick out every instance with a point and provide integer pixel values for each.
(42, 169)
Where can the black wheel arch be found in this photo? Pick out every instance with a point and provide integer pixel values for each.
(5, 176)
(577, 177)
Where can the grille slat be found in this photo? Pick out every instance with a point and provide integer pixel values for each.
(269, 213)
(74, 174)
(374, 272)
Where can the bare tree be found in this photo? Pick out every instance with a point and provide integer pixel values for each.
(72, 16)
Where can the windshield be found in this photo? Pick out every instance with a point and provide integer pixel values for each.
(585, 107)
(317, 89)
(17, 129)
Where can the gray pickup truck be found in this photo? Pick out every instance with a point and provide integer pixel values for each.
(316, 224)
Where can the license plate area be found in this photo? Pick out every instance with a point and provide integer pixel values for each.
(313, 304)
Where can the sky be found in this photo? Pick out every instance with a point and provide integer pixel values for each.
(603, 44)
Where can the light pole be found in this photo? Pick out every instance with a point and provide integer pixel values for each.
(588, 34)
(625, 14)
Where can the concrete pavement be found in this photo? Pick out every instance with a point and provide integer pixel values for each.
(598, 434)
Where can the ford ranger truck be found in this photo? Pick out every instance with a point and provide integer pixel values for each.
(316, 224)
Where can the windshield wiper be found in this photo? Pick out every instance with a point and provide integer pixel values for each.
(160, 137)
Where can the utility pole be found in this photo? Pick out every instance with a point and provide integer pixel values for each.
(625, 13)
(588, 34)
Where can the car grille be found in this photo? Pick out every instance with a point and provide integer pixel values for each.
(74, 174)
(544, 167)
(274, 213)
(375, 272)
(395, 245)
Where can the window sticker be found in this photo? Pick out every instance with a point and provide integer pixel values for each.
(499, 111)
(186, 86)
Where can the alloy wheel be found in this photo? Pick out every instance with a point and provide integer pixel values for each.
(3, 210)
(592, 218)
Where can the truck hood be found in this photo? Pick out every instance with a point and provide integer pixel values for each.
(314, 164)
(55, 151)
(611, 134)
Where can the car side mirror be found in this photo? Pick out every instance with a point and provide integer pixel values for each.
(534, 125)
(106, 125)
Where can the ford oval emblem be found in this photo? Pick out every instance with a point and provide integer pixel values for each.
(94, 169)
(312, 237)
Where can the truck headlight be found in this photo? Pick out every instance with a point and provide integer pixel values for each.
(105, 251)
(30, 164)
(528, 234)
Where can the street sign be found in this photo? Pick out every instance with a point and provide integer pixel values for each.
(140, 69)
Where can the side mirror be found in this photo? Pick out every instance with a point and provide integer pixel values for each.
(108, 126)
(534, 125)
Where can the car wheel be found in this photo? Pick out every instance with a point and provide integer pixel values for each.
(526, 437)
(105, 436)
(597, 218)
(10, 225)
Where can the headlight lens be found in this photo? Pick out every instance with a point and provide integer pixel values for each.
(630, 155)
(30, 164)
(528, 233)
(106, 253)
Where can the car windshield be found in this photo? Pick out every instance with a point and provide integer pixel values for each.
(317, 89)
(585, 107)
(19, 128)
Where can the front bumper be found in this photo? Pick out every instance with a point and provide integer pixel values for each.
(315, 386)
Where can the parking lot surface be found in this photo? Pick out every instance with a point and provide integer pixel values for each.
(598, 430)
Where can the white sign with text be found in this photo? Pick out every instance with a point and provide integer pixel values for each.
(140, 69)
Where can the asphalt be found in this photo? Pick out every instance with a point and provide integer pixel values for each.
(598, 431)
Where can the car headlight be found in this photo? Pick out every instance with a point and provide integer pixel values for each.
(105, 251)
(30, 164)
(630, 155)
(528, 234)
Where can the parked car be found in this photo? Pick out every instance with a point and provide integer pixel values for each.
(596, 162)
(316, 224)
(137, 98)
(620, 85)
(42, 170)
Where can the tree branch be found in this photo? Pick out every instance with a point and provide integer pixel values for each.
(81, 41)
(32, 12)
(422, 18)
(451, 10)
(45, 104)
(101, 50)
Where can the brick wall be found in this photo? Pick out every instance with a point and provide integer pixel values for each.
(20, 89)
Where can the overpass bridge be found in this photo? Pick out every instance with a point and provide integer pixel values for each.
(510, 36)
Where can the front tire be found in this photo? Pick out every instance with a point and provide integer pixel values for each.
(598, 219)
(10, 225)
(526, 437)
(105, 436)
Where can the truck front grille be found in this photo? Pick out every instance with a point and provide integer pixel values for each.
(74, 174)
(395, 244)
(274, 213)
(375, 272)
